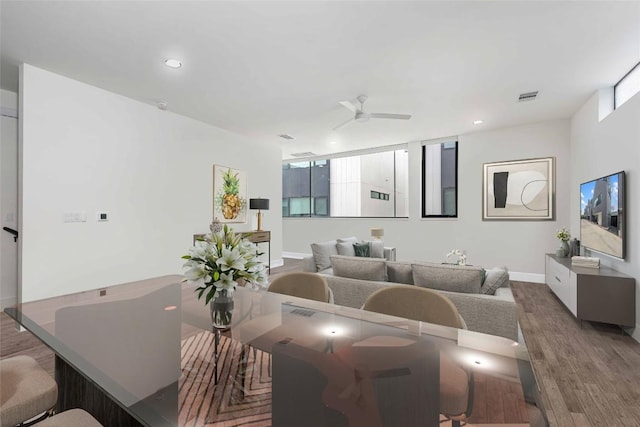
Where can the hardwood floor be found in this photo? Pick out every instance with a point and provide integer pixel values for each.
(589, 376)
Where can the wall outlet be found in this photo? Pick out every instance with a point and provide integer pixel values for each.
(102, 216)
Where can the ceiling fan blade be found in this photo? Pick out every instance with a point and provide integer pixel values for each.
(390, 116)
(343, 124)
(349, 106)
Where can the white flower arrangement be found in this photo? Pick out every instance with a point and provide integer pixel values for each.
(461, 257)
(563, 235)
(216, 264)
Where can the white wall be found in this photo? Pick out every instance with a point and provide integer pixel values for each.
(84, 149)
(8, 198)
(600, 148)
(520, 245)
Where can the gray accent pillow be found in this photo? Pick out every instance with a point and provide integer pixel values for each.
(359, 268)
(376, 248)
(453, 278)
(496, 278)
(321, 253)
(346, 249)
(400, 272)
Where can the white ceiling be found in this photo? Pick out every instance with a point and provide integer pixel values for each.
(262, 68)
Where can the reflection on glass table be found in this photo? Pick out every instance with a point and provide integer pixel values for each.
(144, 354)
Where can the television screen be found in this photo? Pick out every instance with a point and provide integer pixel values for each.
(602, 215)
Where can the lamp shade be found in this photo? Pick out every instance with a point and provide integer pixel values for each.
(262, 204)
(377, 232)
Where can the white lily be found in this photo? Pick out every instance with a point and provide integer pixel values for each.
(226, 283)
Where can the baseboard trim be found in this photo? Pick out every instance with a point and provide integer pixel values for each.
(294, 255)
(277, 263)
(526, 277)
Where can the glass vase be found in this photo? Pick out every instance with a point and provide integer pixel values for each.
(221, 310)
(564, 250)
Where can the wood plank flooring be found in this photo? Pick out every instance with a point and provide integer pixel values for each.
(589, 376)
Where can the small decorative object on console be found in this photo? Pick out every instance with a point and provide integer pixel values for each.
(216, 225)
(563, 235)
(461, 257)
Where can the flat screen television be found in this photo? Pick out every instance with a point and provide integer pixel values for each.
(602, 215)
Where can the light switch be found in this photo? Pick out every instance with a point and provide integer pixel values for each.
(102, 216)
(78, 216)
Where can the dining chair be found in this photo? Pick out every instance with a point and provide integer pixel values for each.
(27, 391)
(70, 418)
(426, 305)
(303, 285)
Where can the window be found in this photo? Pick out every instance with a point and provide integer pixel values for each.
(628, 86)
(440, 179)
(373, 184)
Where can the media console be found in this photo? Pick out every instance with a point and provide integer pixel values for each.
(597, 294)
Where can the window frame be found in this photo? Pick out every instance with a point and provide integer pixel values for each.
(325, 158)
(635, 68)
(441, 142)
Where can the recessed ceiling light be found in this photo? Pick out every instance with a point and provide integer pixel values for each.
(478, 122)
(333, 142)
(173, 63)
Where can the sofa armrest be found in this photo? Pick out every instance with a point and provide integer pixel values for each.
(489, 314)
(309, 264)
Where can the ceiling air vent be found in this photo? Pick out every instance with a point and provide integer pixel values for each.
(285, 136)
(304, 154)
(529, 96)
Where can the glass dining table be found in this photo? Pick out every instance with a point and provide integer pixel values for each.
(145, 353)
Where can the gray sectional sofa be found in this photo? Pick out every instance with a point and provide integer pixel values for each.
(483, 297)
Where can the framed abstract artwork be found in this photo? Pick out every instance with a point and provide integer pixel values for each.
(229, 194)
(518, 190)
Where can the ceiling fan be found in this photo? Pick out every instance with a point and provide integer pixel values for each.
(361, 116)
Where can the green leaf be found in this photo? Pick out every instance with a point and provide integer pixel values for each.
(186, 257)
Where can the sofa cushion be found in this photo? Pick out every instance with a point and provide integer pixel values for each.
(400, 272)
(359, 268)
(445, 277)
(321, 253)
(346, 249)
(362, 249)
(376, 248)
(496, 278)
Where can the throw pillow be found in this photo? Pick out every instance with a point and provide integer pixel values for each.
(359, 268)
(496, 278)
(352, 239)
(400, 272)
(376, 248)
(321, 253)
(361, 249)
(346, 248)
(454, 278)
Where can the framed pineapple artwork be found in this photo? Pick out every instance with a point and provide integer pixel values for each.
(229, 194)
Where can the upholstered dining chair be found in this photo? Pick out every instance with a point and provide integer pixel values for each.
(70, 418)
(27, 391)
(426, 305)
(303, 285)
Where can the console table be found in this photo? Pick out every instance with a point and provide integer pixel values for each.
(597, 294)
(256, 237)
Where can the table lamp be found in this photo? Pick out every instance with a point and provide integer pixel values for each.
(377, 233)
(259, 204)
